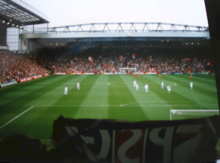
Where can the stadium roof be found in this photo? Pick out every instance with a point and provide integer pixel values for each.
(20, 13)
(120, 30)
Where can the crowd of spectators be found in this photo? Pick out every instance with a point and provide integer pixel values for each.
(106, 57)
(14, 67)
(110, 57)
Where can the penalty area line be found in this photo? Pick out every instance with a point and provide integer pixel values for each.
(17, 116)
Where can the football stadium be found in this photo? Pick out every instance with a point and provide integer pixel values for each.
(126, 72)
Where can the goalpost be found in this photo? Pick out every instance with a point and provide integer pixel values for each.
(123, 70)
(190, 114)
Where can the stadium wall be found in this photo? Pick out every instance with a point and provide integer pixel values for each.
(3, 31)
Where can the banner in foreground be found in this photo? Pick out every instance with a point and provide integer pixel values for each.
(139, 142)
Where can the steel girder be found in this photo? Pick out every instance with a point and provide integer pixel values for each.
(127, 28)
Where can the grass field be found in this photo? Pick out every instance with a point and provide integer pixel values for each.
(30, 108)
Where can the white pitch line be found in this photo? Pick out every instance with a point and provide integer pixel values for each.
(16, 117)
(161, 105)
(76, 105)
(131, 105)
(149, 103)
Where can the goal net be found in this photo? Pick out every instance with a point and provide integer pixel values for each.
(125, 70)
(190, 114)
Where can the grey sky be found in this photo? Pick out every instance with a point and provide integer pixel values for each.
(69, 12)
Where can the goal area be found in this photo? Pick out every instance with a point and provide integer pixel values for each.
(125, 70)
(191, 114)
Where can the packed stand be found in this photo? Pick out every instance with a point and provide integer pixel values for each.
(109, 57)
(15, 67)
(106, 57)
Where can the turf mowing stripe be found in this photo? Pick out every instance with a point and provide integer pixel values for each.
(182, 93)
(202, 79)
(174, 96)
(24, 89)
(57, 93)
(75, 96)
(41, 121)
(204, 92)
(199, 86)
(98, 95)
(206, 78)
(120, 95)
(153, 112)
(16, 117)
(20, 86)
(33, 94)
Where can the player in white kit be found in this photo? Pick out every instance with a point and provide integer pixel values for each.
(78, 86)
(134, 83)
(162, 85)
(146, 87)
(169, 88)
(65, 90)
(137, 87)
(191, 85)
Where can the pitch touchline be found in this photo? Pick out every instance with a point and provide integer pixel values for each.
(16, 117)
(159, 105)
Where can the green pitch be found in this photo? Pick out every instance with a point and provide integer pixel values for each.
(30, 108)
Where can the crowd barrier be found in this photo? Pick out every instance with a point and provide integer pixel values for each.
(147, 73)
(62, 73)
(8, 83)
(33, 77)
(22, 80)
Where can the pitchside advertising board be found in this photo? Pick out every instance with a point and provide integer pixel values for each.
(139, 142)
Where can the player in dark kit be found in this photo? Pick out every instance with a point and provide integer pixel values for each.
(134, 75)
(159, 76)
(139, 76)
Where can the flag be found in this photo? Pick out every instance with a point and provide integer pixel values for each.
(209, 63)
(90, 59)
(133, 55)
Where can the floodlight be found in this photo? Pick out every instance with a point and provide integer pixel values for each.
(8, 23)
(13, 24)
(17, 25)
(3, 21)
